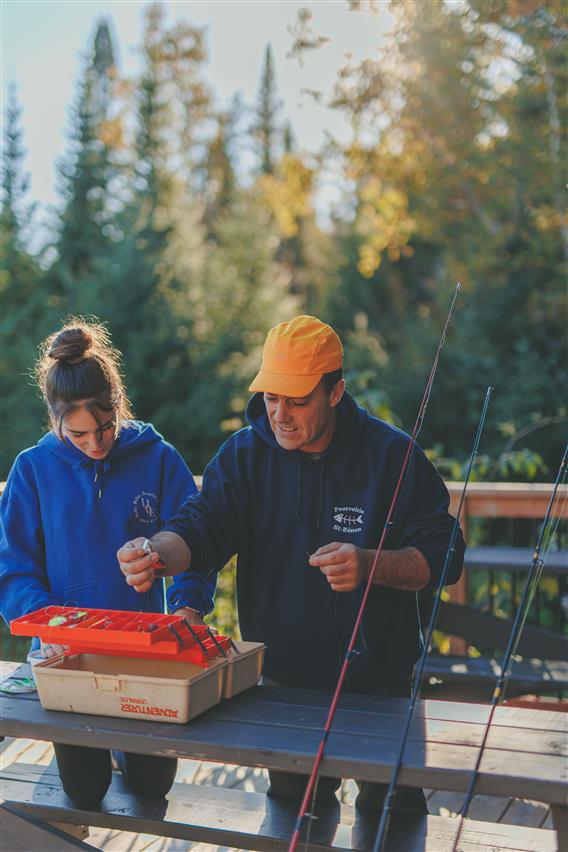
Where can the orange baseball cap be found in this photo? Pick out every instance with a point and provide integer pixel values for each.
(296, 355)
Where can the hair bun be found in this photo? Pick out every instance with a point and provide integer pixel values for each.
(71, 344)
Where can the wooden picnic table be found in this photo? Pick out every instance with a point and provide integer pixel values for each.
(280, 729)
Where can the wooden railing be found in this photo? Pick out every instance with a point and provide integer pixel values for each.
(501, 500)
(505, 499)
(519, 500)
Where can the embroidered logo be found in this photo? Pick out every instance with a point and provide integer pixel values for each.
(348, 519)
(146, 507)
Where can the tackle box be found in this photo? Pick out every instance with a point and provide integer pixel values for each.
(134, 688)
(136, 665)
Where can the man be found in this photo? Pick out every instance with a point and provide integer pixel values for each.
(301, 495)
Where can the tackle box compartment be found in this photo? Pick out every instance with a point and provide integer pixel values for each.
(243, 669)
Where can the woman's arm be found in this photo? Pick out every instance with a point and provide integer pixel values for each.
(24, 585)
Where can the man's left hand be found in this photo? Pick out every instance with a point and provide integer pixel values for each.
(344, 565)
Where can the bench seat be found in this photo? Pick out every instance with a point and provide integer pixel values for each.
(252, 821)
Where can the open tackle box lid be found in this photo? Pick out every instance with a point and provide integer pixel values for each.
(121, 633)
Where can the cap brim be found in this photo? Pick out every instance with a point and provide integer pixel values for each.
(283, 385)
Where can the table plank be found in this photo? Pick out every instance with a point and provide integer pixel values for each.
(457, 711)
(392, 727)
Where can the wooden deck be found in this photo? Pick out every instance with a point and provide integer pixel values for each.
(493, 809)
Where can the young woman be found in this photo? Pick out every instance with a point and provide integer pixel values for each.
(95, 480)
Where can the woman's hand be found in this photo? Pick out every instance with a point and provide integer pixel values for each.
(50, 649)
(191, 615)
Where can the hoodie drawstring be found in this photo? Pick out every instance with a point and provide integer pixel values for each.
(100, 469)
(320, 507)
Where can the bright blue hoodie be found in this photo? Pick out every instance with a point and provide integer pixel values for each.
(64, 516)
(274, 507)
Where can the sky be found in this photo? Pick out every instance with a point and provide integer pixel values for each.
(42, 44)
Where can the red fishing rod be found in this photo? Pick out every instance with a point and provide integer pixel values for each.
(310, 787)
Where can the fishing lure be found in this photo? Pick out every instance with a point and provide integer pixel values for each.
(60, 620)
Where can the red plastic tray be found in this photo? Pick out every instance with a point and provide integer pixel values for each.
(121, 633)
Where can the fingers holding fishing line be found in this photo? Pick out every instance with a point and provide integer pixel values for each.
(138, 564)
(344, 565)
(51, 649)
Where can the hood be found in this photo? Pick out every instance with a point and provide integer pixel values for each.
(134, 434)
(350, 419)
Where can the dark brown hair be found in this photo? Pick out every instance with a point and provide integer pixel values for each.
(329, 380)
(79, 366)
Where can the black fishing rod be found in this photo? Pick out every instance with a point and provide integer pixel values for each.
(310, 787)
(533, 578)
(387, 806)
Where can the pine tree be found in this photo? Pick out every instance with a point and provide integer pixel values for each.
(86, 221)
(153, 265)
(266, 128)
(22, 314)
(220, 177)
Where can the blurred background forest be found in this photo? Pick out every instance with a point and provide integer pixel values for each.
(455, 170)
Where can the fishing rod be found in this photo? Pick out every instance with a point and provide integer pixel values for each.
(533, 578)
(387, 806)
(310, 787)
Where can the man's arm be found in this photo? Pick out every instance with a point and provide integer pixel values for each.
(140, 569)
(347, 566)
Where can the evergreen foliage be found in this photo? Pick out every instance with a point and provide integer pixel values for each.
(454, 172)
(462, 183)
(22, 299)
(266, 127)
(85, 228)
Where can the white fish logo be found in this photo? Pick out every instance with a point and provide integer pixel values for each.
(349, 520)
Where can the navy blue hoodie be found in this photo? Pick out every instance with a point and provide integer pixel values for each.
(274, 507)
(64, 516)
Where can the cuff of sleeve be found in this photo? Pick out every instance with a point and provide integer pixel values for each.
(178, 599)
(199, 563)
(435, 557)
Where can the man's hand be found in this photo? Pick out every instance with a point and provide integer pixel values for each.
(344, 565)
(347, 566)
(137, 565)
